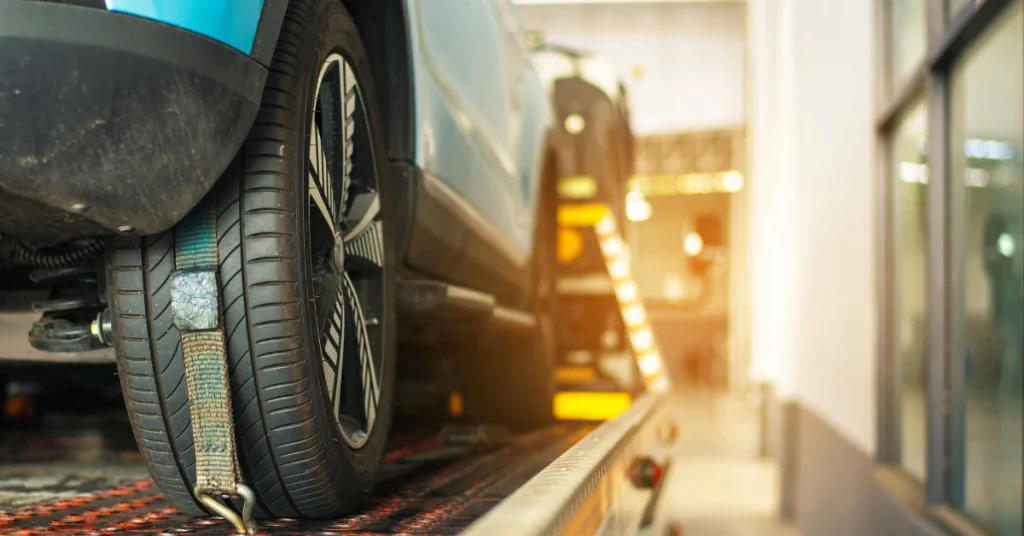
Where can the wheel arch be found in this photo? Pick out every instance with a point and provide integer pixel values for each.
(384, 30)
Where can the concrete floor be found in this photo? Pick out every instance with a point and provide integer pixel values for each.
(716, 484)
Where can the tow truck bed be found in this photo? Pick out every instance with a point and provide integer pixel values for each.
(77, 477)
(427, 488)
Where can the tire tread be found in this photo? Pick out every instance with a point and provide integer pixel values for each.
(286, 446)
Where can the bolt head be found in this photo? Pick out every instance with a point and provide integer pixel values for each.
(79, 208)
(125, 229)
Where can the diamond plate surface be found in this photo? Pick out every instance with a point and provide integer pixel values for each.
(419, 493)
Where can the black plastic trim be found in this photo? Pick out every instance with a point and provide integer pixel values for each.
(483, 265)
(92, 4)
(442, 242)
(401, 106)
(385, 34)
(436, 234)
(133, 119)
(268, 31)
(483, 262)
(63, 26)
(427, 302)
(443, 301)
(403, 203)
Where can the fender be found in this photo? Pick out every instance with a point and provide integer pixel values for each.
(249, 26)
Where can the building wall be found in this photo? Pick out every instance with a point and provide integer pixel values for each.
(813, 232)
(836, 176)
(691, 57)
(813, 203)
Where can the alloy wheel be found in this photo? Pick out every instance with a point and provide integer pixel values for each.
(346, 243)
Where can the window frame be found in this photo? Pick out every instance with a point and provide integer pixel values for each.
(949, 35)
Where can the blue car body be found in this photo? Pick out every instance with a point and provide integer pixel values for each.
(481, 111)
(232, 22)
(479, 114)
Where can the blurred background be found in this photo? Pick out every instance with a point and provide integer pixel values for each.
(825, 214)
(684, 69)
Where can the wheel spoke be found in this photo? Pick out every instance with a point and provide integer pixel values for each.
(319, 178)
(330, 141)
(365, 208)
(346, 89)
(367, 247)
(364, 205)
(371, 389)
(333, 344)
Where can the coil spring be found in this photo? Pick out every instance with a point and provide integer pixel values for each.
(75, 282)
(78, 282)
(60, 258)
(74, 299)
(65, 325)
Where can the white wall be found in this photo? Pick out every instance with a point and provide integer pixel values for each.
(813, 213)
(692, 56)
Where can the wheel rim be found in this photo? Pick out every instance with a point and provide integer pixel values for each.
(346, 246)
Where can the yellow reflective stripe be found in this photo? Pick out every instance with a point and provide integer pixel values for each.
(590, 405)
(575, 374)
(581, 214)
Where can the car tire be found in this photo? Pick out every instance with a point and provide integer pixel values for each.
(307, 281)
(508, 377)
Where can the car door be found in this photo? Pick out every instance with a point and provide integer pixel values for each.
(527, 108)
(468, 77)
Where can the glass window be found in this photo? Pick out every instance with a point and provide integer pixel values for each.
(908, 40)
(986, 134)
(910, 293)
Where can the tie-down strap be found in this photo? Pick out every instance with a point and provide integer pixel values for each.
(195, 309)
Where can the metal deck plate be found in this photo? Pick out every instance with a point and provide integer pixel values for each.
(418, 494)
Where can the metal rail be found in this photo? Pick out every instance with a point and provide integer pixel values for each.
(586, 489)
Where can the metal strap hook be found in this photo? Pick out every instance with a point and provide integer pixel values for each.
(244, 523)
